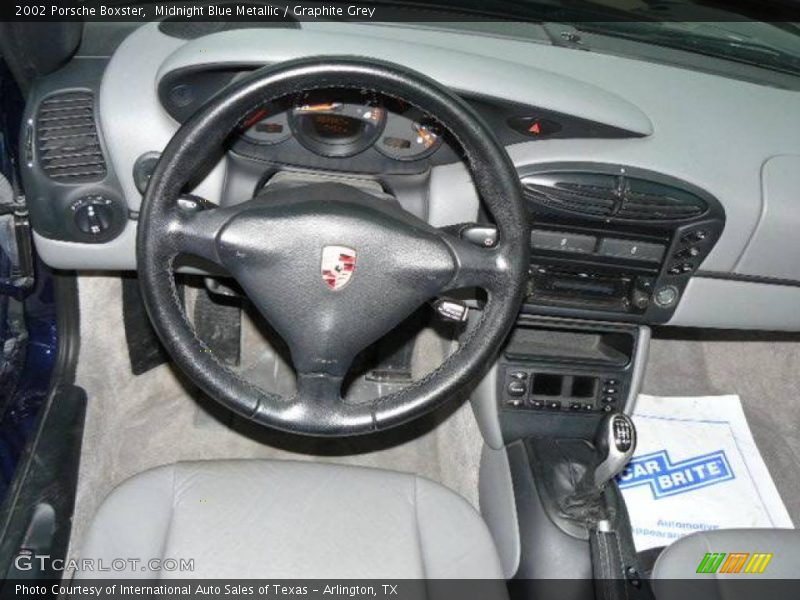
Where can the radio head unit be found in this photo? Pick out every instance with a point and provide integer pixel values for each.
(589, 288)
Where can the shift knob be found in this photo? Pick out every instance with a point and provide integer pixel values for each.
(615, 442)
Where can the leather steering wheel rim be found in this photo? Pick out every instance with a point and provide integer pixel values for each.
(164, 233)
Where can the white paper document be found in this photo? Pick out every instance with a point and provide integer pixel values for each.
(696, 467)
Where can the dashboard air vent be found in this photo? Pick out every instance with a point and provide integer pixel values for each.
(67, 142)
(607, 196)
(593, 195)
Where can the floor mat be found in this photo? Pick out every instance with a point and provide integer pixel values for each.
(696, 467)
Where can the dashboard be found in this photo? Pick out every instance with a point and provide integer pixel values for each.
(376, 134)
(656, 194)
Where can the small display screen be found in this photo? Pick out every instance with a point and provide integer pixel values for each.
(399, 143)
(269, 127)
(335, 126)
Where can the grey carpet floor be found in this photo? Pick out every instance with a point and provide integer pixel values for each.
(135, 423)
(763, 369)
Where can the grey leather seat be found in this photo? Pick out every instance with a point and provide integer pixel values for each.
(266, 519)
(681, 559)
(675, 573)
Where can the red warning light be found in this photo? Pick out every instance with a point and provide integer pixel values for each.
(534, 126)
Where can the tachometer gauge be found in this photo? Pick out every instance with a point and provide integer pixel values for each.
(337, 123)
(407, 139)
(267, 127)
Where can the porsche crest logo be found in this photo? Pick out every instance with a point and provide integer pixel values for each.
(338, 266)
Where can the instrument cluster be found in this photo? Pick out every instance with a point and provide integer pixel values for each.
(344, 123)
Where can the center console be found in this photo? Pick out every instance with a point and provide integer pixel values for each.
(547, 489)
(612, 250)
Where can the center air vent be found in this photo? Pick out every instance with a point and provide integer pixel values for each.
(67, 143)
(614, 197)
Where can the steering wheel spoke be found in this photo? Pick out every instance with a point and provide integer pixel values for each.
(319, 387)
(477, 266)
(195, 225)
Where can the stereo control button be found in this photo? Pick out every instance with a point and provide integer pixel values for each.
(631, 249)
(690, 252)
(563, 241)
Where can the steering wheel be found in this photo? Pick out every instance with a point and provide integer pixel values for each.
(330, 267)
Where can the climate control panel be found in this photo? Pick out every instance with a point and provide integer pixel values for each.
(555, 369)
(556, 390)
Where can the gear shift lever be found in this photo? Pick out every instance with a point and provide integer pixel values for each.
(613, 447)
(615, 441)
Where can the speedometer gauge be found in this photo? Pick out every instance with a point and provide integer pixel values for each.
(344, 126)
(406, 139)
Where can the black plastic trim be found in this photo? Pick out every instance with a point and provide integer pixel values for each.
(50, 202)
(714, 209)
(747, 278)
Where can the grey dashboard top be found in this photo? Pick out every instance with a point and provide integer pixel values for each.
(717, 133)
(500, 78)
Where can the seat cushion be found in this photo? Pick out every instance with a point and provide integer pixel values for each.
(265, 519)
(682, 570)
